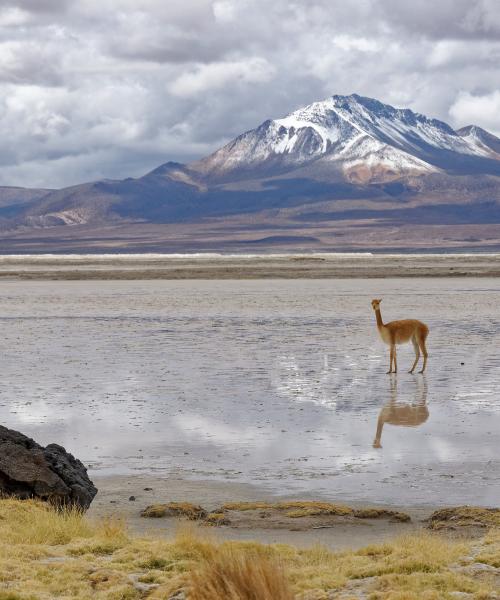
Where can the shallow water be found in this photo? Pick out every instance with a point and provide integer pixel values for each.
(279, 383)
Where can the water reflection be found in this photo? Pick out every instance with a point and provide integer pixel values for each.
(403, 414)
(258, 381)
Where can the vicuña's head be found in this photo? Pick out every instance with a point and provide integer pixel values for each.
(376, 304)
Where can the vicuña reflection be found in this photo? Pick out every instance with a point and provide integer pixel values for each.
(404, 415)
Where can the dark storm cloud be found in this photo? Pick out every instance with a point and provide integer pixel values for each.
(92, 89)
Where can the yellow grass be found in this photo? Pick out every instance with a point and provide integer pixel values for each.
(175, 509)
(216, 519)
(301, 508)
(45, 554)
(30, 522)
(247, 506)
(326, 508)
(314, 508)
(235, 575)
(461, 516)
(378, 513)
(490, 551)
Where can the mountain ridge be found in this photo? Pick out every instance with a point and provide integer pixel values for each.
(347, 129)
(348, 156)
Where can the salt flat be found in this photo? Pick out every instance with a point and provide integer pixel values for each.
(246, 266)
(278, 383)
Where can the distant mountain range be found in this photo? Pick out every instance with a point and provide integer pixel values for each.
(348, 172)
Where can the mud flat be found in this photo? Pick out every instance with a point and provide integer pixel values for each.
(127, 496)
(160, 506)
(247, 266)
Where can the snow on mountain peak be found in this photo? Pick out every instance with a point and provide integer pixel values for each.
(346, 131)
(482, 139)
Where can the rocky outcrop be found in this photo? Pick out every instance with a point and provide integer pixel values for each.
(28, 470)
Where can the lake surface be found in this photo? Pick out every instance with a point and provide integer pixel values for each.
(279, 383)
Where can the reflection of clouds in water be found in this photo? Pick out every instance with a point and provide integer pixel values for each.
(342, 382)
(469, 402)
(477, 387)
(294, 383)
(196, 427)
(34, 412)
(443, 450)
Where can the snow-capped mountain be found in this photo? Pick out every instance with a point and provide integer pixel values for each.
(348, 134)
(479, 137)
(347, 159)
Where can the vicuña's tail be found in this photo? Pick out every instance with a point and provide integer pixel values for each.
(424, 332)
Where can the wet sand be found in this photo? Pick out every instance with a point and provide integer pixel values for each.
(246, 266)
(115, 491)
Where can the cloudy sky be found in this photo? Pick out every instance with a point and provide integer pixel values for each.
(93, 88)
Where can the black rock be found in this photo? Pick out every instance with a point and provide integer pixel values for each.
(28, 470)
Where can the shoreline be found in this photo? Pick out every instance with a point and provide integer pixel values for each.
(114, 492)
(246, 266)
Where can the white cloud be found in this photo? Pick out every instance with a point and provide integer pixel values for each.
(224, 11)
(12, 16)
(482, 110)
(455, 54)
(204, 78)
(349, 42)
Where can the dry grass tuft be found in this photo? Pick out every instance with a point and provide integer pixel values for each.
(381, 513)
(298, 509)
(303, 512)
(238, 575)
(34, 522)
(216, 519)
(243, 506)
(464, 516)
(175, 509)
(424, 553)
(490, 552)
(315, 508)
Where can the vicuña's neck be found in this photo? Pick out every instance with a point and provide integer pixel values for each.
(380, 323)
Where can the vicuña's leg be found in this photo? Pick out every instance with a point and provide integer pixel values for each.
(417, 353)
(395, 361)
(424, 352)
(390, 361)
(392, 358)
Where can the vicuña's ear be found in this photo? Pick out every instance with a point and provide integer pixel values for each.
(380, 300)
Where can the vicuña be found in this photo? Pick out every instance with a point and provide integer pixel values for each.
(401, 332)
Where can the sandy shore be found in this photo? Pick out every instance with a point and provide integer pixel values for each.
(218, 266)
(114, 495)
